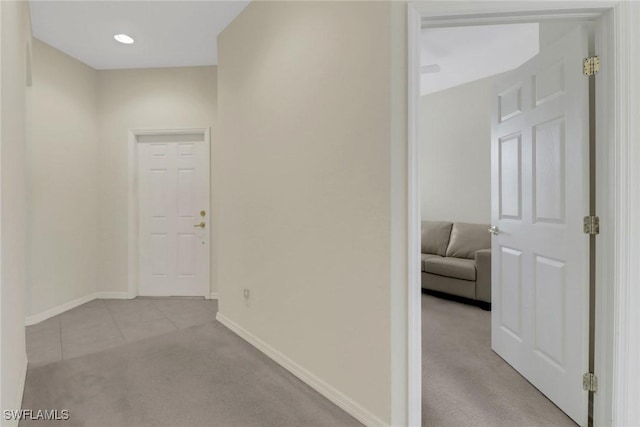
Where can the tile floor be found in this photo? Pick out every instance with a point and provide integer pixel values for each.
(101, 324)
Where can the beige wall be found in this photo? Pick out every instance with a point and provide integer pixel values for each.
(550, 32)
(15, 36)
(455, 153)
(302, 199)
(78, 166)
(155, 98)
(63, 154)
(306, 216)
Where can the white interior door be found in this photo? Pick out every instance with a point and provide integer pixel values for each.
(173, 215)
(540, 194)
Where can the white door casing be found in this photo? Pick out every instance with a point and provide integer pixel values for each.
(617, 40)
(172, 196)
(540, 193)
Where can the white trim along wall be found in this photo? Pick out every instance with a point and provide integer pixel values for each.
(622, 291)
(340, 399)
(414, 288)
(37, 318)
(617, 334)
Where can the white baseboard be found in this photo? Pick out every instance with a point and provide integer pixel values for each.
(214, 295)
(37, 318)
(348, 405)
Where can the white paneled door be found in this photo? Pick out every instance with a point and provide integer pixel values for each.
(540, 194)
(173, 215)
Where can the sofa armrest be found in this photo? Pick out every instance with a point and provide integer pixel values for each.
(483, 275)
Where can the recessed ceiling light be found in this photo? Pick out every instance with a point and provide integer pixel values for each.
(123, 38)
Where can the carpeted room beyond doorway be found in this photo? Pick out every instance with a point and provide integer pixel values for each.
(464, 383)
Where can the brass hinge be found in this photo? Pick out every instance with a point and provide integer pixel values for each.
(591, 225)
(591, 66)
(590, 382)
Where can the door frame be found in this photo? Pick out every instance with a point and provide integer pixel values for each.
(132, 205)
(617, 324)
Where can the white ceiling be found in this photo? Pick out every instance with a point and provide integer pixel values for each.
(166, 33)
(465, 54)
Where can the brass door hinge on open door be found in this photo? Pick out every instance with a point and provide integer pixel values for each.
(590, 382)
(591, 225)
(591, 66)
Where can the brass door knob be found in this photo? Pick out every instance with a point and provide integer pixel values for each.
(201, 225)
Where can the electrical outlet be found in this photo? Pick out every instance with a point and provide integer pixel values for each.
(246, 293)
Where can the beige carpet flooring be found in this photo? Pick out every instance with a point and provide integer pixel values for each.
(464, 383)
(207, 376)
(197, 376)
(107, 323)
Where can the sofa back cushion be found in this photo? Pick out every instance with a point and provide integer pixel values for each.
(466, 239)
(435, 237)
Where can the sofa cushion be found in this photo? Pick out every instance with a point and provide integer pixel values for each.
(426, 257)
(466, 239)
(457, 268)
(435, 237)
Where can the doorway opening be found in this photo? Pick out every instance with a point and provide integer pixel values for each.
(505, 175)
(606, 21)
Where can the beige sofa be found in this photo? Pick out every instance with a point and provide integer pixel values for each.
(456, 260)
